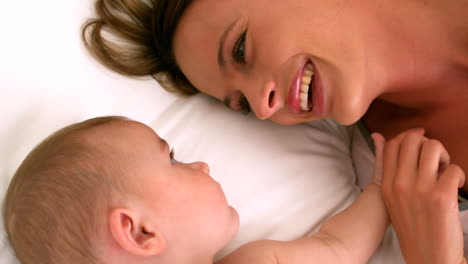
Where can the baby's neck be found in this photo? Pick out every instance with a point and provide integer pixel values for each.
(184, 258)
(116, 255)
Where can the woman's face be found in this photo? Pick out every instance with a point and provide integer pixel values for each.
(288, 61)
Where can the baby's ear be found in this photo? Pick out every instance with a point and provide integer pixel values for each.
(133, 235)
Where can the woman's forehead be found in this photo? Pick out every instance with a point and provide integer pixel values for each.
(211, 14)
(204, 20)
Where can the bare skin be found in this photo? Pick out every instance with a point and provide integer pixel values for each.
(395, 64)
(176, 213)
(430, 97)
(426, 207)
(437, 103)
(409, 157)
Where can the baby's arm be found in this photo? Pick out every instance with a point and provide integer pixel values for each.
(348, 237)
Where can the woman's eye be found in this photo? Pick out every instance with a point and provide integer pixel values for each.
(238, 53)
(244, 105)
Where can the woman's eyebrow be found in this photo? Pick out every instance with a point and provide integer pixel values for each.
(221, 59)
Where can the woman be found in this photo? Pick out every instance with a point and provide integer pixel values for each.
(392, 64)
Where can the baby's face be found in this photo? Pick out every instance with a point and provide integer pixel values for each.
(182, 198)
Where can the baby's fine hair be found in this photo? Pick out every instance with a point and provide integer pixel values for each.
(53, 209)
(135, 38)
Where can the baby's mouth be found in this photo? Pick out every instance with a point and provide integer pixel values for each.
(306, 89)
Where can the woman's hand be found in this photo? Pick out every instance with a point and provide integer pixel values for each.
(420, 189)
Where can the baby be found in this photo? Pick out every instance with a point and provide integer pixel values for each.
(108, 190)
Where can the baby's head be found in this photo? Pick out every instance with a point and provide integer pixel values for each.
(107, 191)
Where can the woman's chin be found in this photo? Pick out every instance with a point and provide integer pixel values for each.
(294, 119)
(350, 109)
(346, 120)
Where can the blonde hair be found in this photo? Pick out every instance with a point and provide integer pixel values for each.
(55, 202)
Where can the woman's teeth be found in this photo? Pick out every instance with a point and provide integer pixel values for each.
(306, 78)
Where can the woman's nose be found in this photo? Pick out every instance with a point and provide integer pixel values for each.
(268, 102)
(202, 166)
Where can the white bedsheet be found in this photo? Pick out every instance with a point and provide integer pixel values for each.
(284, 181)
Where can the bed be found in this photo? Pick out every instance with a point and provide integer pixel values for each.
(283, 180)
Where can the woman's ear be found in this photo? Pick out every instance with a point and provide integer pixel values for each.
(133, 235)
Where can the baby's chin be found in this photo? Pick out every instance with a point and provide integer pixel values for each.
(235, 216)
(233, 224)
(228, 233)
(233, 221)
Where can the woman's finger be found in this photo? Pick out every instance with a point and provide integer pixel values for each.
(391, 157)
(451, 179)
(434, 159)
(410, 151)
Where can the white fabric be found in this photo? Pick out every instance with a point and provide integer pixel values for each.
(284, 181)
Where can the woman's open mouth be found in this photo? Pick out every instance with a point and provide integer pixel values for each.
(302, 93)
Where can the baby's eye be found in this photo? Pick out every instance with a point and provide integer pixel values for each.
(171, 156)
(238, 52)
(244, 105)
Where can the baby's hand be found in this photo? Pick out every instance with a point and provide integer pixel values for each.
(379, 142)
(420, 189)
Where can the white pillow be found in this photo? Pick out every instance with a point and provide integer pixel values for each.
(284, 180)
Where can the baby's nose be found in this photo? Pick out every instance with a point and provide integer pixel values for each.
(200, 166)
